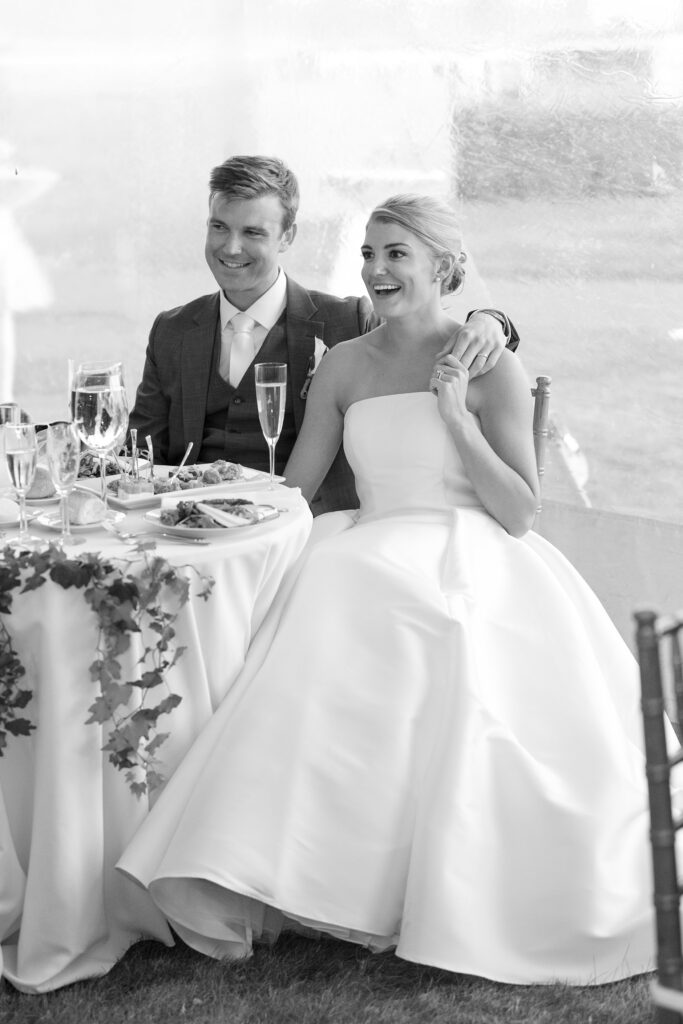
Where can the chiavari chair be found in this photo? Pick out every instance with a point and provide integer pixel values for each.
(661, 678)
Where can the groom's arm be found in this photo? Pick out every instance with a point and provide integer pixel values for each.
(509, 330)
(481, 339)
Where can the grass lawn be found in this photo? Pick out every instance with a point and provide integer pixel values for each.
(302, 981)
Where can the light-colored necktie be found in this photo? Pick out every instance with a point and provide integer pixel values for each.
(237, 356)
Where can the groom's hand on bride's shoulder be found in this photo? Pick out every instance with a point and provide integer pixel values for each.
(479, 342)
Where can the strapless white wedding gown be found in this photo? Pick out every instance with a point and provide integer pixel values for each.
(435, 745)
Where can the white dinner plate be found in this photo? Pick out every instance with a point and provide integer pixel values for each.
(139, 501)
(53, 521)
(154, 517)
(14, 520)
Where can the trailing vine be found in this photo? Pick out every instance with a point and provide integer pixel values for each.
(139, 596)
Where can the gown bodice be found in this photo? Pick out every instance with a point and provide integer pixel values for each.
(403, 456)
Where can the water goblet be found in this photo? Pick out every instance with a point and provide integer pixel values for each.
(21, 453)
(63, 456)
(100, 411)
(271, 392)
(9, 413)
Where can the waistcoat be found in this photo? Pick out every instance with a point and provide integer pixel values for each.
(231, 427)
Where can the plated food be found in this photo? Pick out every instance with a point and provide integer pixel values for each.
(219, 516)
(188, 478)
(237, 512)
(89, 466)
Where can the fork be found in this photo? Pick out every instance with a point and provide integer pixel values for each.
(127, 535)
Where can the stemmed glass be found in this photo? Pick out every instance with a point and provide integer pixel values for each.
(63, 456)
(9, 413)
(271, 391)
(100, 411)
(21, 453)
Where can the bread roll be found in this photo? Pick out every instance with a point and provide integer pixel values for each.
(85, 508)
(42, 486)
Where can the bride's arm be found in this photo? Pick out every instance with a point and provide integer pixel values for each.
(498, 459)
(321, 432)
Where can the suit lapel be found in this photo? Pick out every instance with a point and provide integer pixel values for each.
(197, 352)
(302, 331)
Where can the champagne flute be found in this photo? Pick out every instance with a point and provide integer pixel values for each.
(63, 456)
(271, 390)
(21, 453)
(100, 411)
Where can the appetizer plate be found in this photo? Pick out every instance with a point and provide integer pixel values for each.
(267, 512)
(53, 521)
(139, 501)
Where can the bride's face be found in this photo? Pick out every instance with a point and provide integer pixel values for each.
(399, 271)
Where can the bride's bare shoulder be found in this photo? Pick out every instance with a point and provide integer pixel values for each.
(355, 351)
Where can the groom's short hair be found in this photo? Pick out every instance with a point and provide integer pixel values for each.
(249, 177)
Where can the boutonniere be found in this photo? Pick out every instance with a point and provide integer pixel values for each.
(313, 364)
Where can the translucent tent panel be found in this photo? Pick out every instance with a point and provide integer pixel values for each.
(555, 127)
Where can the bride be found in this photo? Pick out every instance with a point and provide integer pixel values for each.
(434, 745)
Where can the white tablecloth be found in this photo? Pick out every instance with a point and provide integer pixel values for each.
(66, 814)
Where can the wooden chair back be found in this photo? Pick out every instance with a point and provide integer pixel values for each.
(661, 674)
(541, 396)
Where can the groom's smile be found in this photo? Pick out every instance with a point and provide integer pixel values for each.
(244, 241)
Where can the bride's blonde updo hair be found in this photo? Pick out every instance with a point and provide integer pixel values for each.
(434, 223)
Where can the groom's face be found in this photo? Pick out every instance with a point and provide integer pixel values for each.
(244, 241)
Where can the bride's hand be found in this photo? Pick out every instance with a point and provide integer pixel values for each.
(449, 383)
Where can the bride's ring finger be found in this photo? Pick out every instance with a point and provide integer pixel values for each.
(437, 375)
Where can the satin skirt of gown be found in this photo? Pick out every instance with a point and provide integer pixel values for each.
(435, 745)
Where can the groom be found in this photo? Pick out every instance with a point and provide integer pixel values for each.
(198, 379)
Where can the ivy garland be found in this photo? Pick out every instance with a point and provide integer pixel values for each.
(144, 602)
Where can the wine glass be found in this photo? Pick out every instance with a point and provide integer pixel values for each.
(70, 374)
(100, 411)
(9, 413)
(63, 456)
(271, 390)
(21, 453)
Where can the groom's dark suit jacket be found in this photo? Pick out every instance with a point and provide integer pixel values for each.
(171, 401)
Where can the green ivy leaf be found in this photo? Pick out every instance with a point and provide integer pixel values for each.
(20, 727)
(168, 703)
(155, 743)
(140, 596)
